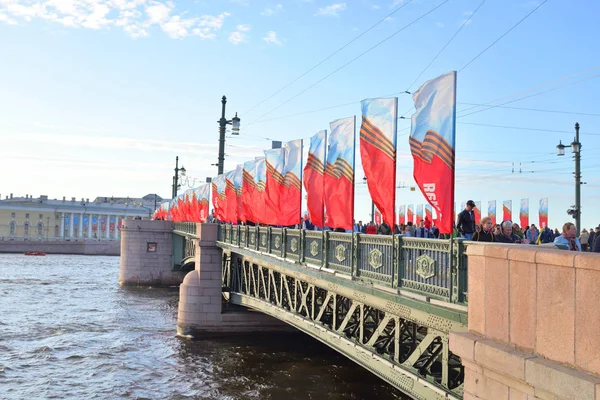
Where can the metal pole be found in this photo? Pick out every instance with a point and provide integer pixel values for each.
(577, 180)
(222, 126)
(174, 191)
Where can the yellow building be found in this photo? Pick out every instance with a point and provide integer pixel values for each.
(28, 218)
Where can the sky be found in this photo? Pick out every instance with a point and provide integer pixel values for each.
(98, 97)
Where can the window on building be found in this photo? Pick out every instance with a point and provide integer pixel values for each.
(56, 229)
(40, 229)
(13, 228)
(27, 216)
(13, 215)
(41, 216)
(57, 216)
(26, 228)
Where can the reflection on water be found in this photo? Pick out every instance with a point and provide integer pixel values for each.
(69, 331)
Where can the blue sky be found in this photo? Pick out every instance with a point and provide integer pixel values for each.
(98, 97)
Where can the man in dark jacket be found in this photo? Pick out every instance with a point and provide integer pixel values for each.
(596, 248)
(591, 240)
(465, 222)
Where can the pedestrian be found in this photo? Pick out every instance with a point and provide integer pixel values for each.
(583, 239)
(484, 234)
(568, 237)
(465, 222)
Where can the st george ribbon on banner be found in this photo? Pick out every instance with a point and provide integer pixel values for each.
(431, 141)
(238, 180)
(378, 152)
(230, 198)
(218, 197)
(314, 178)
(339, 174)
(202, 195)
(291, 190)
(275, 159)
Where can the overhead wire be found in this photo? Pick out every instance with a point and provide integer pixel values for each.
(329, 56)
(351, 61)
(504, 34)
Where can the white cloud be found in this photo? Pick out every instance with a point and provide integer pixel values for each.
(332, 10)
(243, 27)
(135, 17)
(267, 12)
(237, 38)
(272, 38)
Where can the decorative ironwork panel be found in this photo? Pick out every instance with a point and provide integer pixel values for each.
(375, 258)
(263, 238)
(235, 235)
(292, 244)
(313, 247)
(227, 229)
(339, 252)
(243, 236)
(220, 233)
(185, 228)
(426, 266)
(276, 242)
(253, 237)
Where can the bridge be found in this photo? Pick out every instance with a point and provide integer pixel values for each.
(388, 303)
(437, 319)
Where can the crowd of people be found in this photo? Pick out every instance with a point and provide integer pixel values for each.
(485, 231)
(509, 232)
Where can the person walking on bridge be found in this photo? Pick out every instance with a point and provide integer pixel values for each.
(465, 222)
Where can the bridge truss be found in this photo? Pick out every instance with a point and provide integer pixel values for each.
(402, 339)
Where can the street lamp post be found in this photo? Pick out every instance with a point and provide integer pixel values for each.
(178, 171)
(576, 150)
(235, 130)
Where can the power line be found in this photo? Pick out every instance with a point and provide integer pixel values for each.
(328, 57)
(532, 109)
(352, 60)
(446, 45)
(525, 129)
(501, 36)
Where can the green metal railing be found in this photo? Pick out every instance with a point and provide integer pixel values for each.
(185, 228)
(435, 268)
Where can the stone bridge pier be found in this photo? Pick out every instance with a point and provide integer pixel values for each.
(202, 308)
(534, 324)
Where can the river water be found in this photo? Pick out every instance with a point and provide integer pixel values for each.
(69, 331)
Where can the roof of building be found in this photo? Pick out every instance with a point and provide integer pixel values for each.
(133, 206)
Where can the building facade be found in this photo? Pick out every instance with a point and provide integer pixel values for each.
(28, 218)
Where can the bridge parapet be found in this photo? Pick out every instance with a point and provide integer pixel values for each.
(430, 267)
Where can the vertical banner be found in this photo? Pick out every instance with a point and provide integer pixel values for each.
(249, 193)
(112, 224)
(275, 160)
(202, 195)
(230, 198)
(314, 178)
(94, 224)
(524, 213)
(378, 216)
(378, 152)
(188, 211)
(218, 198)
(432, 145)
(291, 190)
(260, 201)
(86, 221)
(544, 213)
(428, 212)
(402, 215)
(339, 174)
(419, 213)
(492, 211)
(477, 212)
(507, 210)
(238, 180)
(410, 215)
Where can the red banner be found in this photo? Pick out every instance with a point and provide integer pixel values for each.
(314, 179)
(432, 145)
(291, 189)
(274, 159)
(378, 153)
(507, 210)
